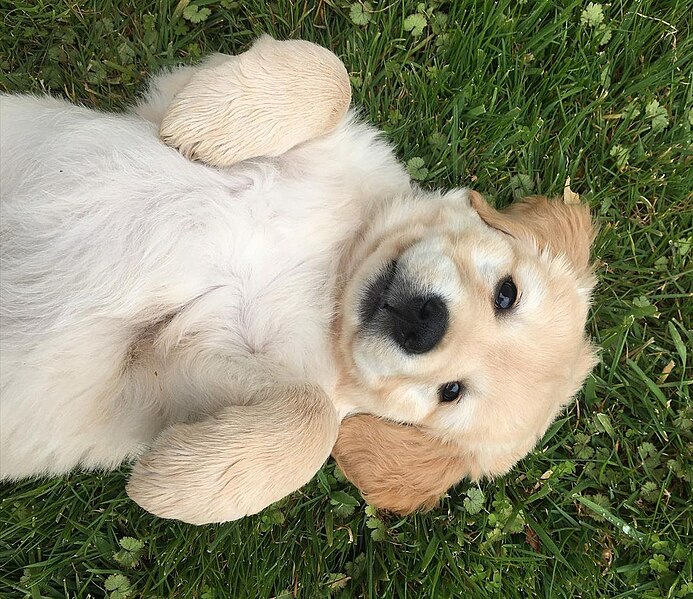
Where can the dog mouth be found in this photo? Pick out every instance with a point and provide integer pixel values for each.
(374, 299)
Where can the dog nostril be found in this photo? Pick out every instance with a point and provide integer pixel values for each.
(431, 308)
(411, 343)
(419, 323)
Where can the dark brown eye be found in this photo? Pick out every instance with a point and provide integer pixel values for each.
(450, 391)
(506, 295)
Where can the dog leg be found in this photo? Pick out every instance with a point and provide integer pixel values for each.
(239, 461)
(164, 87)
(260, 103)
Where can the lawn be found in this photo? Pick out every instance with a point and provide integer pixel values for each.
(508, 97)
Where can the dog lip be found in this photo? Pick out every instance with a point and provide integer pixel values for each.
(374, 297)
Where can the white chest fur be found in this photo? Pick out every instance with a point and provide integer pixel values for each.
(260, 264)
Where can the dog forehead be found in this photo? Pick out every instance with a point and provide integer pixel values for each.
(490, 255)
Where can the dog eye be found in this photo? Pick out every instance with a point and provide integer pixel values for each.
(450, 391)
(506, 295)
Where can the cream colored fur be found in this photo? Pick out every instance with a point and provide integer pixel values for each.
(261, 103)
(204, 320)
(271, 455)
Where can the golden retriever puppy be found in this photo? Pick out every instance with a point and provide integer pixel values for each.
(216, 320)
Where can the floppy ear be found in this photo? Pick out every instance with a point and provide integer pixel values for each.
(565, 229)
(396, 467)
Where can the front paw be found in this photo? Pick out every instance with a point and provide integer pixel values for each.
(238, 462)
(260, 103)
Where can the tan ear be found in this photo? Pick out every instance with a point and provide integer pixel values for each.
(564, 229)
(397, 468)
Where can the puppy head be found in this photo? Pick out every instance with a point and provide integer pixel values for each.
(468, 323)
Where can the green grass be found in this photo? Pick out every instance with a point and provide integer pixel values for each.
(503, 96)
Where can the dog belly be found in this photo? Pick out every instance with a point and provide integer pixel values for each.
(110, 234)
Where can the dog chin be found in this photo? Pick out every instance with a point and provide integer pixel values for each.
(375, 358)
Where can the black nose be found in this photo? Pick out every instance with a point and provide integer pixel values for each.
(418, 323)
